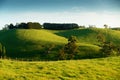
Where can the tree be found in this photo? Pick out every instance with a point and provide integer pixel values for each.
(70, 49)
(21, 26)
(5, 27)
(108, 49)
(101, 39)
(34, 25)
(106, 26)
(11, 26)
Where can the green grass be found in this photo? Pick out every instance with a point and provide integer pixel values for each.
(89, 69)
(32, 43)
(28, 42)
(88, 36)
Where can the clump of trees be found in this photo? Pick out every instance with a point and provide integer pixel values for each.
(36, 25)
(107, 47)
(57, 26)
(2, 51)
(69, 50)
(29, 25)
(101, 39)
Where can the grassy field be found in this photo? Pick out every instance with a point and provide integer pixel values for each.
(32, 44)
(89, 69)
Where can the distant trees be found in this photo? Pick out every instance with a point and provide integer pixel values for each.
(34, 25)
(70, 49)
(57, 26)
(107, 47)
(105, 26)
(29, 25)
(82, 26)
(11, 26)
(21, 26)
(116, 28)
(92, 26)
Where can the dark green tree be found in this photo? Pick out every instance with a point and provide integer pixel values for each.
(34, 25)
(11, 26)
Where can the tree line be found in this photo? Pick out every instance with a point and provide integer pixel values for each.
(36, 25)
(29, 25)
(58, 26)
(50, 26)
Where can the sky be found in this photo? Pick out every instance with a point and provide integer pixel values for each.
(82, 12)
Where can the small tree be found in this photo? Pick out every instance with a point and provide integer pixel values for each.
(101, 39)
(108, 49)
(106, 26)
(70, 49)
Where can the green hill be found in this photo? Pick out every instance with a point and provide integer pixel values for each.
(90, 69)
(88, 36)
(22, 43)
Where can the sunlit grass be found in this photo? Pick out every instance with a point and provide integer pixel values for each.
(94, 69)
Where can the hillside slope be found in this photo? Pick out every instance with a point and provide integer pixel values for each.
(89, 36)
(29, 43)
(94, 69)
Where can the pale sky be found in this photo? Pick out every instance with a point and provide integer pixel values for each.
(82, 12)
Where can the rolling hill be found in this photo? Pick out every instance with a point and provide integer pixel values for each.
(89, 36)
(28, 42)
(22, 43)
